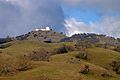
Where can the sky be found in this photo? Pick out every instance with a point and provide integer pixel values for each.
(69, 16)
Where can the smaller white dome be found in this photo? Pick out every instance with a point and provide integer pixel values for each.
(47, 28)
(36, 29)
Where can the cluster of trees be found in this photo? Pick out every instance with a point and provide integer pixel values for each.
(5, 40)
(103, 40)
(82, 37)
(82, 45)
(22, 37)
(64, 49)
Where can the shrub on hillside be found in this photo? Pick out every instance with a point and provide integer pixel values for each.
(85, 70)
(117, 48)
(82, 45)
(83, 55)
(116, 66)
(61, 50)
(64, 49)
(41, 55)
(106, 74)
(23, 64)
(7, 67)
(10, 66)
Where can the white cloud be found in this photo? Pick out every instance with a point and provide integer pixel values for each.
(16, 14)
(75, 26)
(108, 25)
(20, 16)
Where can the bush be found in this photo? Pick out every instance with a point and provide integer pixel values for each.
(64, 49)
(83, 55)
(118, 72)
(85, 70)
(41, 55)
(7, 67)
(117, 48)
(61, 50)
(116, 66)
(106, 74)
(10, 66)
(82, 45)
(23, 64)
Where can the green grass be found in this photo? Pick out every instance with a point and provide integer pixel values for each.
(23, 47)
(59, 69)
(100, 56)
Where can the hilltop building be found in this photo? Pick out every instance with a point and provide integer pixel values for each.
(44, 29)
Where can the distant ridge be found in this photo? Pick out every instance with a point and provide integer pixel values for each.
(5, 40)
(93, 38)
(48, 35)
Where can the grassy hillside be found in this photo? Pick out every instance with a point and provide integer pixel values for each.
(60, 66)
(24, 47)
(101, 57)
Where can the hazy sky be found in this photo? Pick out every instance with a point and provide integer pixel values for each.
(69, 16)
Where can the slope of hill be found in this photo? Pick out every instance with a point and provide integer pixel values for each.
(48, 55)
(60, 66)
